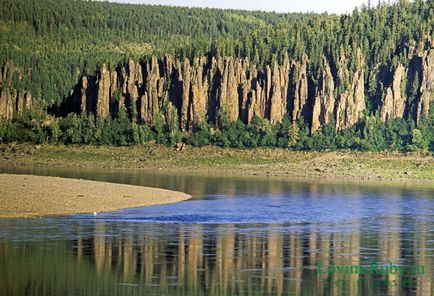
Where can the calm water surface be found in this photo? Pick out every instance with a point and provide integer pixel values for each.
(237, 236)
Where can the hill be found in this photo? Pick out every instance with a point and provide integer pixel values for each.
(134, 73)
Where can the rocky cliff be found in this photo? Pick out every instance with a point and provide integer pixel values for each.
(427, 85)
(324, 105)
(191, 91)
(13, 100)
(197, 89)
(394, 101)
(351, 100)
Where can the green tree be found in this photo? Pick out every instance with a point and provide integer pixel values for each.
(70, 127)
(418, 142)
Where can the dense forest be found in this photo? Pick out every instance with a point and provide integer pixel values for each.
(121, 74)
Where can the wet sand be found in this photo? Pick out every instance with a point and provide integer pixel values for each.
(33, 196)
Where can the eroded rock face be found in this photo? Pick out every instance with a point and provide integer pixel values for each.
(279, 90)
(324, 103)
(276, 112)
(83, 90)
(301, 90)
(103, 97)
(12, 101)
(394, 101)
(229, 87)
(6, 103)
(351, 103)
(201, 88)
(427, 85)
(198, 89)
(199, 92)
(149, 99)
(245, 91)
(28, 100)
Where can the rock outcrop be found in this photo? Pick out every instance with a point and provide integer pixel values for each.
(13, 101)
(192, 91)
(83, 91)
(394, 101)
(351, 102)
(197, 89)
(279, 90)
(202, 88)
(199, 92)
(103, 96)
(229, 87)
(324, 104)
(427, 85)
(300, 89)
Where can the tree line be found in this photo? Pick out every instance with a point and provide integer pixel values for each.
(370, 134)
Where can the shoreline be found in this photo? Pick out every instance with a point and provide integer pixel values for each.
(294, 165)
(27, 196)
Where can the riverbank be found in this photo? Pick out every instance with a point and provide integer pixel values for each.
(398, 167)
(33, 196)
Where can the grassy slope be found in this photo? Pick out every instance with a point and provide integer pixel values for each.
(213, 160)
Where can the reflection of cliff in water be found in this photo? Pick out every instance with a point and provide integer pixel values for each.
(137, 258)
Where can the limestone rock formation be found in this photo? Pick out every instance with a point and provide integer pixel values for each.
(301, 90)
(193, 90)
(245, 91)
(394, 102)
(6, 103)
(12, 101)
(185, 76)
(103, 97)
(229, 88)
(279, 90)
(83, 90)
(324, 103)
(427, 85)
(351, 103)
(149, 100)
(199, 92)
(276, 112)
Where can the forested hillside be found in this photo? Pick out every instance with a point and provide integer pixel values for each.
(105, 73)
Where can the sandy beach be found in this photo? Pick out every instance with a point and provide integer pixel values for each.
(33, 196)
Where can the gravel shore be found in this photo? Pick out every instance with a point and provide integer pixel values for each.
(33, 196)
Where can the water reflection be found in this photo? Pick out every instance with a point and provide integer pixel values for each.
(135, 258)
(122, 253)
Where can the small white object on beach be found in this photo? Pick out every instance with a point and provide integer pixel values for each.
(95, 213)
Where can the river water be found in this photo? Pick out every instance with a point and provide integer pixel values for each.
(237, 236)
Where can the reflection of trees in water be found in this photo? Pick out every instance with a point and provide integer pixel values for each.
(211, 260)
(423, 255)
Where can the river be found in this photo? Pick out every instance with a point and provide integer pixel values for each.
(237, 236)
